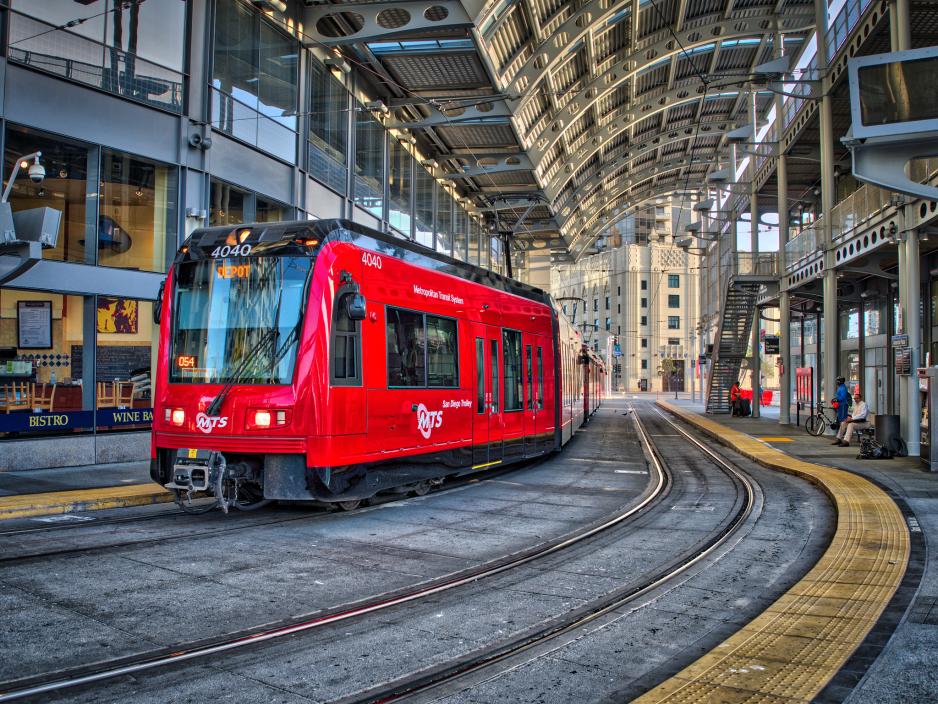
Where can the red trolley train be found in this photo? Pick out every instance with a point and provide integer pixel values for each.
(322, 360)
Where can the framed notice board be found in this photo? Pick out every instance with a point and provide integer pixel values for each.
(34, 324)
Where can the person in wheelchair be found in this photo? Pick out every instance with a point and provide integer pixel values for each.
(854, 422)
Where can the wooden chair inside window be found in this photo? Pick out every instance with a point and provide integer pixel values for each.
(16, 396)
(124, 395)
(106, 395)
(44, 396)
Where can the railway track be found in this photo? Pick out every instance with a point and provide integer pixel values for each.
(446, 675)
(63, 679)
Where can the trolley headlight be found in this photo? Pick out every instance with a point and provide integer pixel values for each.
(263, 418)
(176, 416)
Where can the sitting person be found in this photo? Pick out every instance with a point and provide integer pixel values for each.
(854, 422)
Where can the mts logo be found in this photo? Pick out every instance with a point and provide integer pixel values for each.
(208, 423)
(428, 420)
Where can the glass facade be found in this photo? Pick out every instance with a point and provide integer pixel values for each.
(400, 185)
(424, 186)
(135, 50)
(328, 127)
(227, 204)
(370, 139)
(444, 220)
(254, 80)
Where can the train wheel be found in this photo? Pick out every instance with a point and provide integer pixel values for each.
(349, 505)
(420, 489)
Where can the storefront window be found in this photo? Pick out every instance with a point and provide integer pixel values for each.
(328, 127)
(850, 323)
(423, 221)
(227, 204)
(64, 188)
(254, 80)
(400, 182)
(41, 344)
(272, 211)
(444, 220)
(125, 362)
(875, 317)
(135, 50)
(369, 164)
(137, 215)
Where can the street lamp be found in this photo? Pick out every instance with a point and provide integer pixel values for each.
(36, 172)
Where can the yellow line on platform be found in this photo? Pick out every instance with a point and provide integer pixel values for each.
(775, 439)
(793, 649)
(486, 464)
(26, 505)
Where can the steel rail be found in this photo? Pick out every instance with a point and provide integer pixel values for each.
(447, 673)
(164, 657)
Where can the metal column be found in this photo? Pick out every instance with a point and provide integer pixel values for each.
(757, 321)
(784, 302)
(829, 356)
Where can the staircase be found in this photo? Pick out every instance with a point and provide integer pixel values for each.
(739, 308)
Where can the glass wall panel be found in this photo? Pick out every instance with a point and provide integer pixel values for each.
(135, 50)
(495, 261)
(424, 185)
(272, 211)
(875, 316)
(474, 233)
(369, 164)
(254, 80)
(400, 182)
(328, 127)
(137, 213)
(125, 363)
(444, 220)
(65, 188)
(850, 323)
(485, 248)
(41, 344)
(460, 233)
(227, 207)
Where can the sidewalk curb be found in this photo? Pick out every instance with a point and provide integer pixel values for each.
(58, 502)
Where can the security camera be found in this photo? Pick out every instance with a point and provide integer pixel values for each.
(37, 172)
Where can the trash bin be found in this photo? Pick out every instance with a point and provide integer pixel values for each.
(887, 429)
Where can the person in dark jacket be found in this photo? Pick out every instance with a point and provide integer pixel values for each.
(842, 399)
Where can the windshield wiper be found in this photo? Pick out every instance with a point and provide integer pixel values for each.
(250, 358)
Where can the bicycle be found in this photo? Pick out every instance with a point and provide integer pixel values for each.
(819, 422)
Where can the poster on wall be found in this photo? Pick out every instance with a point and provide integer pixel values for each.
(34, 324)
(117, 315)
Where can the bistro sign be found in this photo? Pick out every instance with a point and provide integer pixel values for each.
(75, 421)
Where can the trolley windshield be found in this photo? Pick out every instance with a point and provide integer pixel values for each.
(238, 319)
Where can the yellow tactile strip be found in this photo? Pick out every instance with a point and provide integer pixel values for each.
(26, 505)
(793, 649)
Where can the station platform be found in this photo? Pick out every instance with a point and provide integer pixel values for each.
(39, 492)
(861, 623)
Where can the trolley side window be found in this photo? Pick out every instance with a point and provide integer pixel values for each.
(422, 350)
(540, 378)
(530, 376)
(514, 383)
(346, 345)
(495, 389)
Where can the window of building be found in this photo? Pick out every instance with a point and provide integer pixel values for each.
(400, 182)
(644, 285)
(137, 212)
(644, 364)
(267, 210)
(608, 323)
(644, 320)
(254, 80)
(460, 233)
(228, 204)
(369, 164)
(346, 343)
(674, 322)
(850, 323)
(135, 50)
(65, 188)
(644, 303)
(674, 300)
(595, 305)
(674, 281)
(618, 291)
(424, 185)
(674, 341)
(475, 232)
(608, 303)
(644, 343)
(422, 350)
(328, 127)
(514, 389)
(618, 308)
(444, 220)
(595, 323)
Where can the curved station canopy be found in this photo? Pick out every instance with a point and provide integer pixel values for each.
(558, 118)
